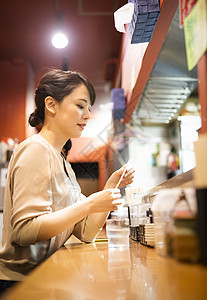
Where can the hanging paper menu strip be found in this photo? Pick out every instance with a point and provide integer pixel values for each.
(200, 173)
(195, 30)
(185, 7)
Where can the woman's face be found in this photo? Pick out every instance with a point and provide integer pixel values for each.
(73, 113)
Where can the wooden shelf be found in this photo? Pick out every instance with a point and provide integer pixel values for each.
(183, 180)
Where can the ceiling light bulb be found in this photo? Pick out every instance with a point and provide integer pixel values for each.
(59, 40)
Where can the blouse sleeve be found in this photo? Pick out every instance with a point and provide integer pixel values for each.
(86, 230)
(30, 175)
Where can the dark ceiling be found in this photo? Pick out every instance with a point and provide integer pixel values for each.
(26, 28)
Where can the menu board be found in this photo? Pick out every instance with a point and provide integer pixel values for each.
(195, 30)
(185, 8)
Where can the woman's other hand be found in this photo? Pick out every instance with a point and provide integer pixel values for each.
(104, 201)
(115, 177)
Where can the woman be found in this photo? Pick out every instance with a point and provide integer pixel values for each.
(43, 203)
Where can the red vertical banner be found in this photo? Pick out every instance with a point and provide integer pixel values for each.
(185, 7)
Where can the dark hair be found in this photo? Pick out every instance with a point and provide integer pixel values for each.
(57, 84)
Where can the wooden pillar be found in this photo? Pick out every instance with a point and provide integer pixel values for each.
(202, 90)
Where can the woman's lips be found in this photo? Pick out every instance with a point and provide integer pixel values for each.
(82, 126)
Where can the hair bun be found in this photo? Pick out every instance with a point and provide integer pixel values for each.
(34, 119)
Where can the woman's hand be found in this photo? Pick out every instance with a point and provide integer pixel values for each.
(104, 201)
(98, 204)
(114, 178)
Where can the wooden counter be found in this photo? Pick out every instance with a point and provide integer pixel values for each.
(94, 271)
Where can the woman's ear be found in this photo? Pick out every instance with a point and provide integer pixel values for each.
(50, 105)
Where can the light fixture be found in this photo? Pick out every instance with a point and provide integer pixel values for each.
(59, 39)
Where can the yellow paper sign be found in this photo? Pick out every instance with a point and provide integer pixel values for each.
(195, 30)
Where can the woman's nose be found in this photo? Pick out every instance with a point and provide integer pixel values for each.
(87, 114)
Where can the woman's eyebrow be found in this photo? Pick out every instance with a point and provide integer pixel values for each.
(83, 100)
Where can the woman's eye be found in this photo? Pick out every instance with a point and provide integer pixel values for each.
(80, 106)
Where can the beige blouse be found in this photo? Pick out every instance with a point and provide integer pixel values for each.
(36, 185)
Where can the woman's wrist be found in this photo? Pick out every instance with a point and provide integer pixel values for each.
(87, 207)
(109, 186)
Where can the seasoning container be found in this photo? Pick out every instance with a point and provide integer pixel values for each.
(169, 212)
(169, 236)
(138, 204)
(185, 239)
